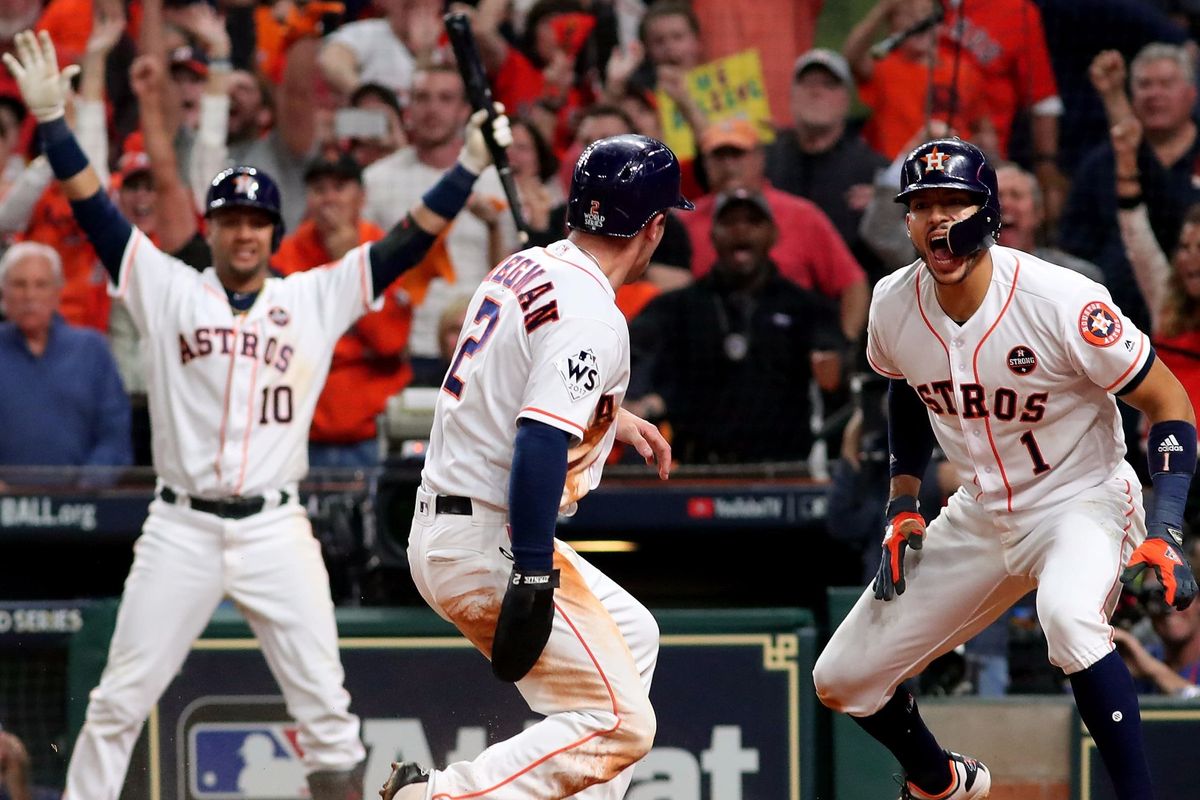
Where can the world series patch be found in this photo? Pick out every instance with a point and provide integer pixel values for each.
(580, 373)
(1099, 325)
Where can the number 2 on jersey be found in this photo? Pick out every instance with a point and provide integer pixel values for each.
(489, 310)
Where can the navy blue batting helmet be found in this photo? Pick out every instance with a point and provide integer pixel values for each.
(246, 187)
(620, 183)
(955, 164)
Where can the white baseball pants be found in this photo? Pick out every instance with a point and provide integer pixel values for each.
(973, 567)
(591, 682)
(184, 563)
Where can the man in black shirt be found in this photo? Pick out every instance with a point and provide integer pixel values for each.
(729, 359)
(823, 160)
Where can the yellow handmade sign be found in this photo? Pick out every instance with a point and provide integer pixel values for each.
(723, 89)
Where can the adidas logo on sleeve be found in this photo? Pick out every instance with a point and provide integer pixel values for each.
(1170, 445)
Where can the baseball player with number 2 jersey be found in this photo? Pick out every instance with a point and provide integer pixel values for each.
(1011, 364)
(236, 363)
(529, 409)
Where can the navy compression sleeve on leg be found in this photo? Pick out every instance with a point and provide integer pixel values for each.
(539, 471)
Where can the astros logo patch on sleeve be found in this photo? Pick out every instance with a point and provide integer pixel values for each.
(580, 372)
(1099, 325)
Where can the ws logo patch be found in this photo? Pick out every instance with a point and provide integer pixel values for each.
(580, 373)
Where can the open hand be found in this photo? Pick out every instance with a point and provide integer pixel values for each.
(35, 67)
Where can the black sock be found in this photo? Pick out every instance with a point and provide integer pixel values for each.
(1108, 704)
(898, 727)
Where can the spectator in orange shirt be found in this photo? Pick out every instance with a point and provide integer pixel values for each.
(1006, 42)
(539, 81)
(369, 362)
(808, 251)
(85, 285)
(903, 91)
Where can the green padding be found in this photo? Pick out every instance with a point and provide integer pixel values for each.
(862, 768)
(227, 622)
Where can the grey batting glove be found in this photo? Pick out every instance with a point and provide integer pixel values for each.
(35, 67)
(474, 155)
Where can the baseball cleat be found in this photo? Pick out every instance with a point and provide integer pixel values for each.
(404, 773)
(971, 781)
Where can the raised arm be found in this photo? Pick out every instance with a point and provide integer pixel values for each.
(410, 239)
(91, 126)
(857, 48)
(175, 218)
(1151, 267)
(44, 90)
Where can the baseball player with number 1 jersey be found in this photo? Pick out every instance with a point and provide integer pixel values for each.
(1011, 364)
(529, 408)
(236, 363)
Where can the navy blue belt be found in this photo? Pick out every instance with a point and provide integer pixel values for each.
(226, 507)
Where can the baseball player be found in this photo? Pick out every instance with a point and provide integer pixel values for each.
(522, 426)
(236, 363)
(1012, 364)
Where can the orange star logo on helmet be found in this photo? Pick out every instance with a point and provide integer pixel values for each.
(935, 160)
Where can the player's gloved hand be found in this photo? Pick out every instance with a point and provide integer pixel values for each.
(35, 68)
(526, 616)
(905, 528)
(474, 155)
(1163, 552)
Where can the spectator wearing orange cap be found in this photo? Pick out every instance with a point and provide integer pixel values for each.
(369, 362)
(808, 251)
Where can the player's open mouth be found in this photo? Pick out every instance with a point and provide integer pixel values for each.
(940, 256)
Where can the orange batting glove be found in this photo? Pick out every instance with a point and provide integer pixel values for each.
(1163, 552)
(905, 529)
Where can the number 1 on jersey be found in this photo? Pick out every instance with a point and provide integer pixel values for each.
(489, 310)
(1035, 453)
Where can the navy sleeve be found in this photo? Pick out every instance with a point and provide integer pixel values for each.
(399, 251)
(910, 437)
(539, 471)
(106, 228)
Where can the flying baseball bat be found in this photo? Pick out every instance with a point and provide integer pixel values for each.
(458, 29)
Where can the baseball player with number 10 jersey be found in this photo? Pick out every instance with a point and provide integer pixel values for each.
(1011, 364)
(236, 363)
(529, 409)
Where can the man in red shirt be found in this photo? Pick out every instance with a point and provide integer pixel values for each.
(369, 361)
(809, 251)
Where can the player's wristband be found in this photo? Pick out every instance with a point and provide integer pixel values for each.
(448, 196)
(1171, 453)
(62, 149)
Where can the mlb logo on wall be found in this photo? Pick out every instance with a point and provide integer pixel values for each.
(245, 761)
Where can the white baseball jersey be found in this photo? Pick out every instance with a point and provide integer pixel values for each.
(543, 340)
(232, 394)
(1020, 395)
